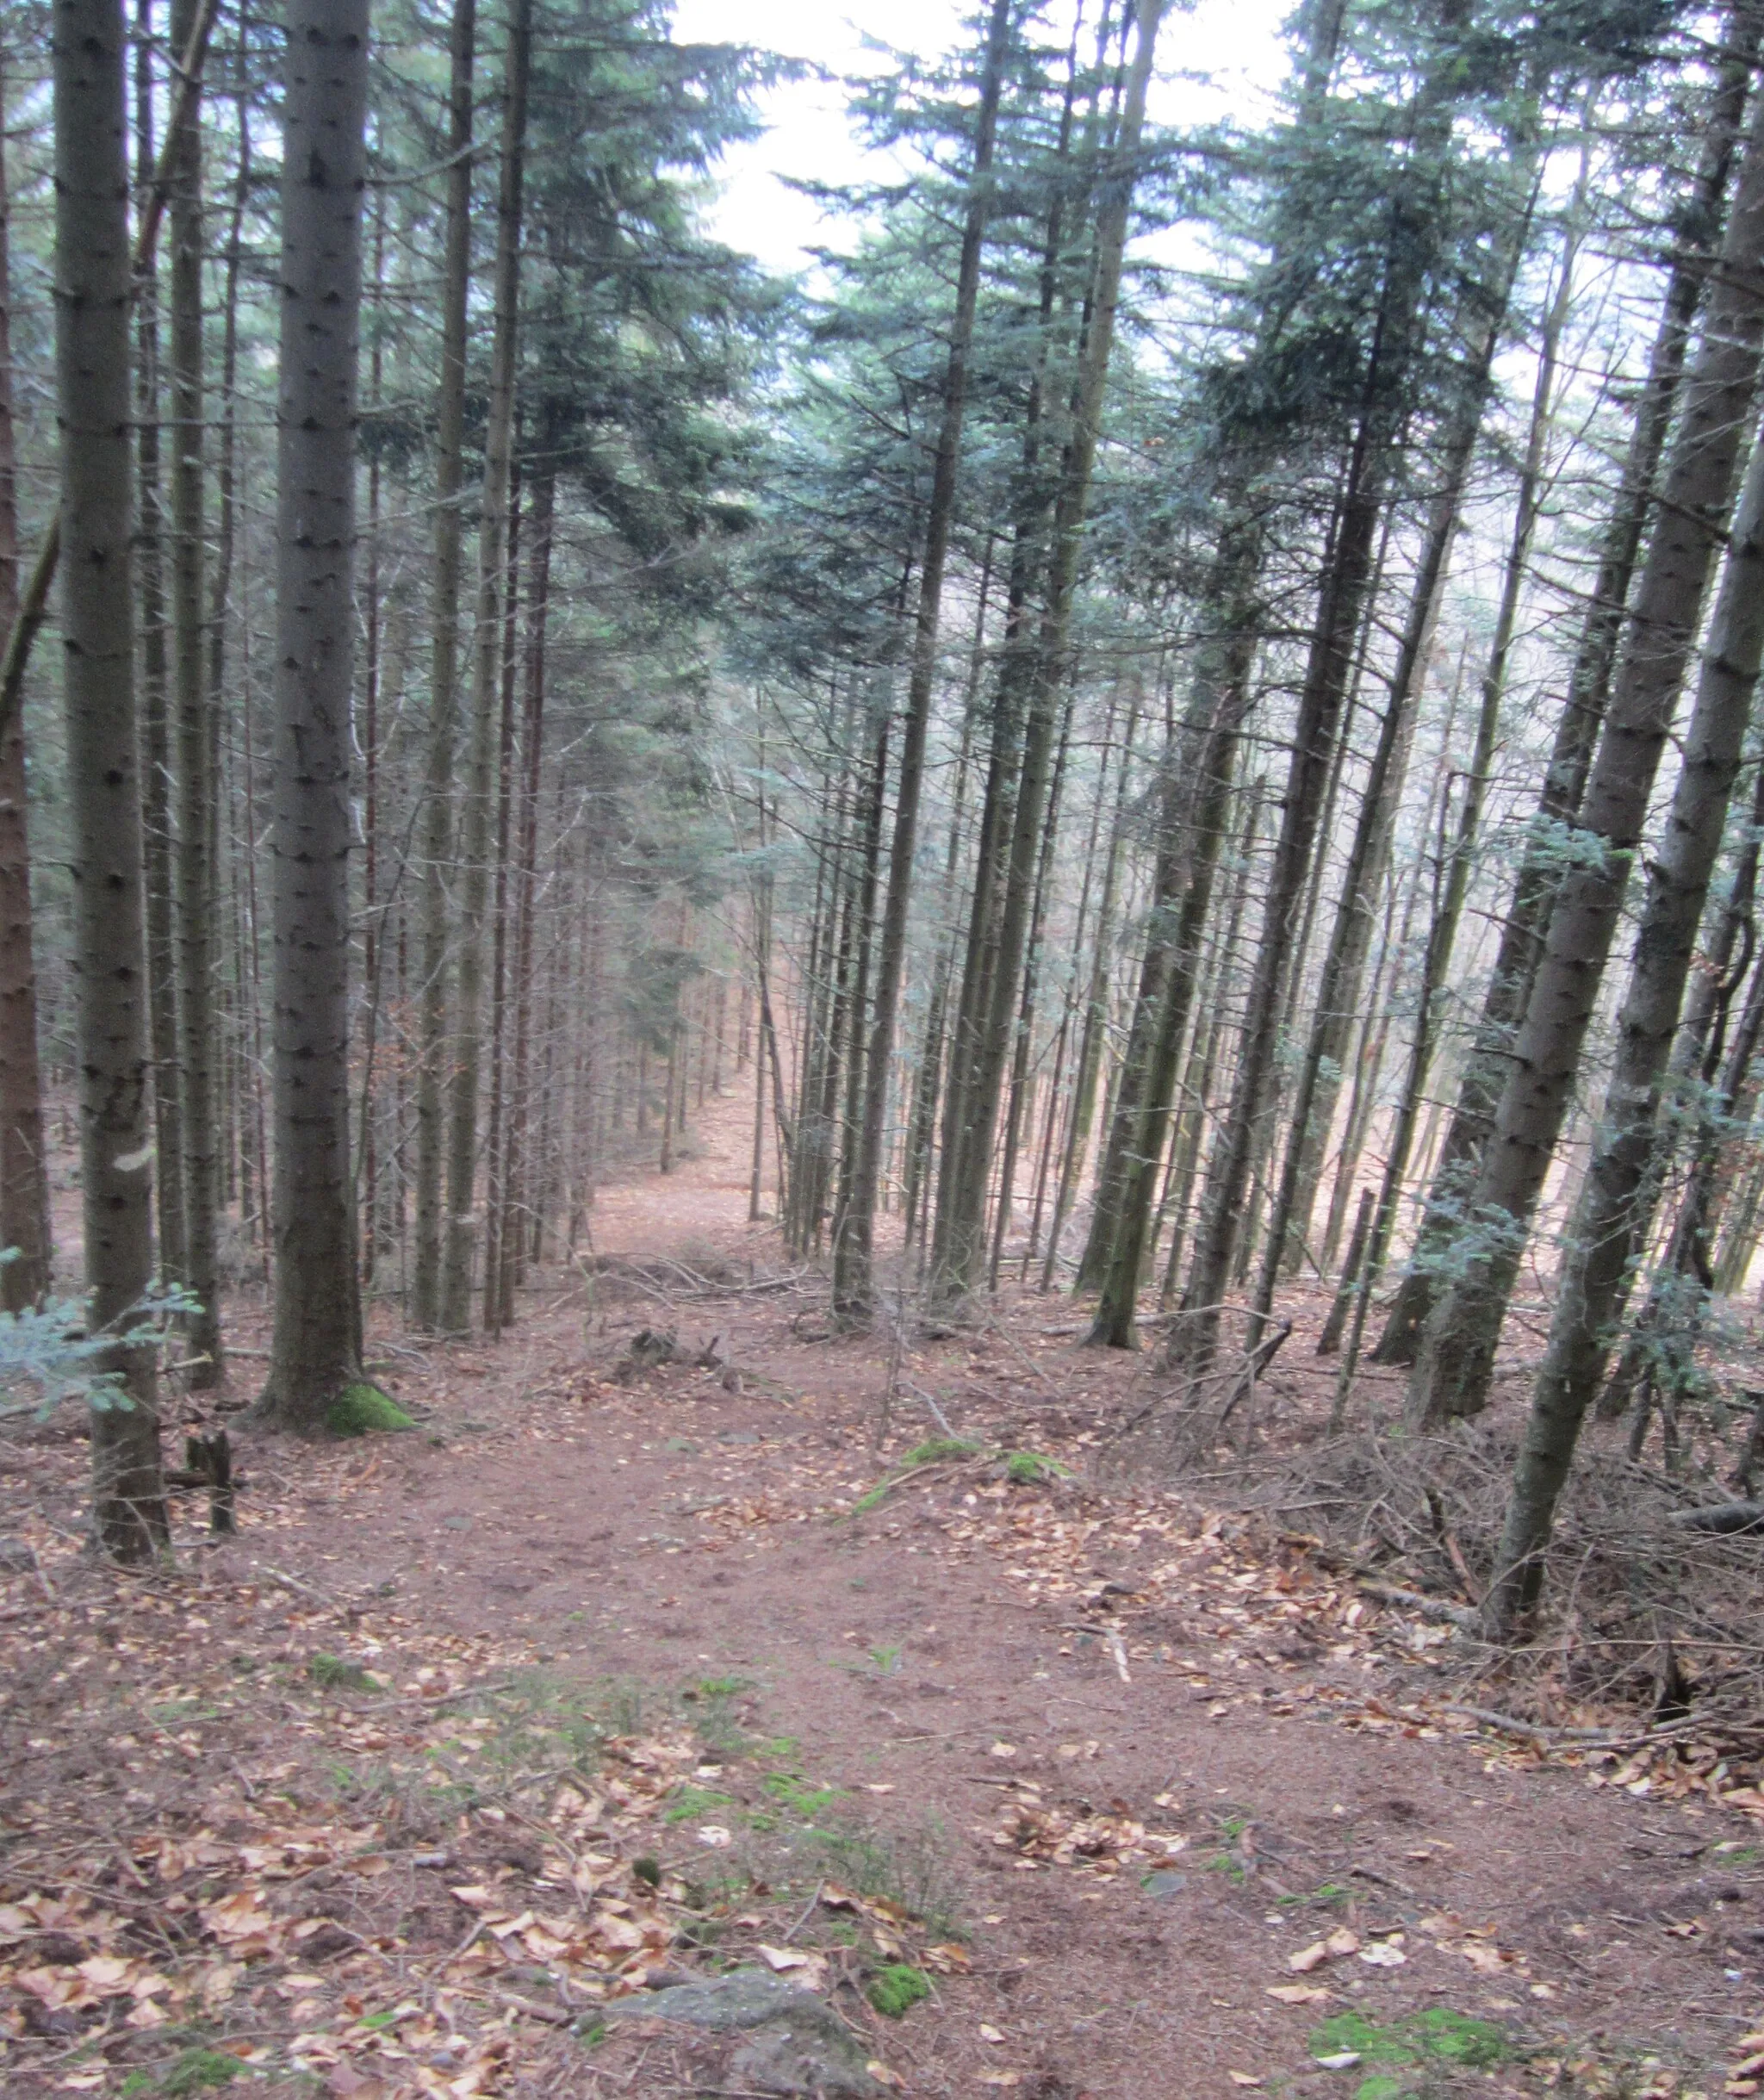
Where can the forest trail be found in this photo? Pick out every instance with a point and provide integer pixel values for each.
(1160, 1807)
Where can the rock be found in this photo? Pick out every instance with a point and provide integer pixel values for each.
(1162, 1882)
(797, 2047)
(16, 1557)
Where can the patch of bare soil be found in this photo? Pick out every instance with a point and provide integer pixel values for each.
(627, 1668)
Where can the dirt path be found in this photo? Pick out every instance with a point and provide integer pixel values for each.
(1143, 1761)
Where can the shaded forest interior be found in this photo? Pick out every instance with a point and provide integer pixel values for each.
(1170, 729)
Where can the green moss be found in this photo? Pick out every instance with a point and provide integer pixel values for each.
(1378, 2086)
(895, 1989)
(936, 1448)
(335, 1672)
(1480, 2044)
(199, 2070)
(795, 1793)
(1438, 2034)
(1030, 1468)
(359, 1410)
(692, 1802)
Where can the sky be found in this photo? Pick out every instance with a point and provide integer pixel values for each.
(1217, 57)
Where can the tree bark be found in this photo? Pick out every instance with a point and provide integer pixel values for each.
(1602, 1239)
(93, 283)
(444, 685)
(1457, 1361)
(494, 581)
(960, 1250)
(854, 1252)
(1583, 714)
(24, 1179)
(196, 788)
(156, 736)
(315, 1341)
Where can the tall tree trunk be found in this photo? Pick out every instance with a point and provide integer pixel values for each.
(1583, 713)
(196, 788)
(1338, 992)
(444, 684)
(156, 737)
(1659, 1348)
(1456, 1360)
(854, 1284)
(314, 1350)
(492, 582)
(24, 1178)
(961, 1249)
(1222, 686)
(519, 1184)
(92, 291)
(1089, 1064)
(1602, 1237)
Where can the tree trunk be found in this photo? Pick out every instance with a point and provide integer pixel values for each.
(24, 1178)
(315, 1342)
(1089, 1064)
(1603, 1238)
(854, 1253)
(1222, 687)
(1577, 731)
(444, 689)
(156, 741)
(194, 880)
(92, 290)
(1457, 1361)
(1661, 1346)
(492, 582)
(518, 1182)
(960, 1249)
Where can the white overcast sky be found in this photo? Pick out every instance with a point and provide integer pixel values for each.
(1214, 58)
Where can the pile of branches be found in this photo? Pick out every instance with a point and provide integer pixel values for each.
(1650, 1603)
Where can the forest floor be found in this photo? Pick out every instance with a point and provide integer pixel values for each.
(610, 1675)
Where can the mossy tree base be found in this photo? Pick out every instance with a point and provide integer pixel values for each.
(354, 1407)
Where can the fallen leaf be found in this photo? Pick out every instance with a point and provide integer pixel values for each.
(1383, 1954)
(714, 1834)
(990, 2033)
(1299, 1994)
(1308, 1958)
(1242, 2078)
(778, 1958)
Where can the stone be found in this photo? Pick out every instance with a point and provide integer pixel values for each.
(1162, 1883)
(797, 2047)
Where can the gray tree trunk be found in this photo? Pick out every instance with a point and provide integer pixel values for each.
(156, 736)
(461, 1235)
(1603, 1238)
(1457, 1361)
(24, 1179)
(960, 1247)
(193, 878)
(854, 1283)
(93, 282)
(1577, 731)
(444, 685)
(313, 1353)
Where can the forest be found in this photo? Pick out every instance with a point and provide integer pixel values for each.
(1121, 821)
